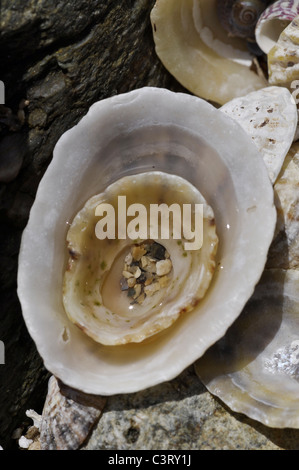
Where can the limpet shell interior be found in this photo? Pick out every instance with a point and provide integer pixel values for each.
(92, 294)
(132, 133)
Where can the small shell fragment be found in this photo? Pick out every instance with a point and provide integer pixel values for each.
(25, 443)
(270, 118)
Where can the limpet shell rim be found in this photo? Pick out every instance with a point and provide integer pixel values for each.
(169, 361)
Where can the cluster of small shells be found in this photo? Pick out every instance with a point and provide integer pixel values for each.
(146, 270)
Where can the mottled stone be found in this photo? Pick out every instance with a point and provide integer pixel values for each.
(181, 414)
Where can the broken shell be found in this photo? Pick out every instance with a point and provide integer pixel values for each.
(254, 369)
(121, 136)
(283, 58)
(273, 21)
(68, 417)
(239, 17)
(284, 250)
(270, 118)
(198, 52)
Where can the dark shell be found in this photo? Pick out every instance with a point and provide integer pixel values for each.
(239, 17)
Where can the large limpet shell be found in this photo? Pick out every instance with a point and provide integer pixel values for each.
(199, 53)
(128, 134)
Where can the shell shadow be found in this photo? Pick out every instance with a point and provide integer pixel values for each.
(183, 386)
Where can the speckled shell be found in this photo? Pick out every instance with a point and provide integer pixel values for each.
(199, 53)
(122, 135)
(270, 117)
(254, 369)
(68, 417)
(273, 21)
(283, 58)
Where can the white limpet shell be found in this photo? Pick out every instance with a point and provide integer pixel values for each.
(254, 369)
(93, 298)
(270, 117)
(198, 52)
(273, 21)
(283, 58)
(145, 130)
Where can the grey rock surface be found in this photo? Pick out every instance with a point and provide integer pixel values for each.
(181, 415)
(62, 57)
